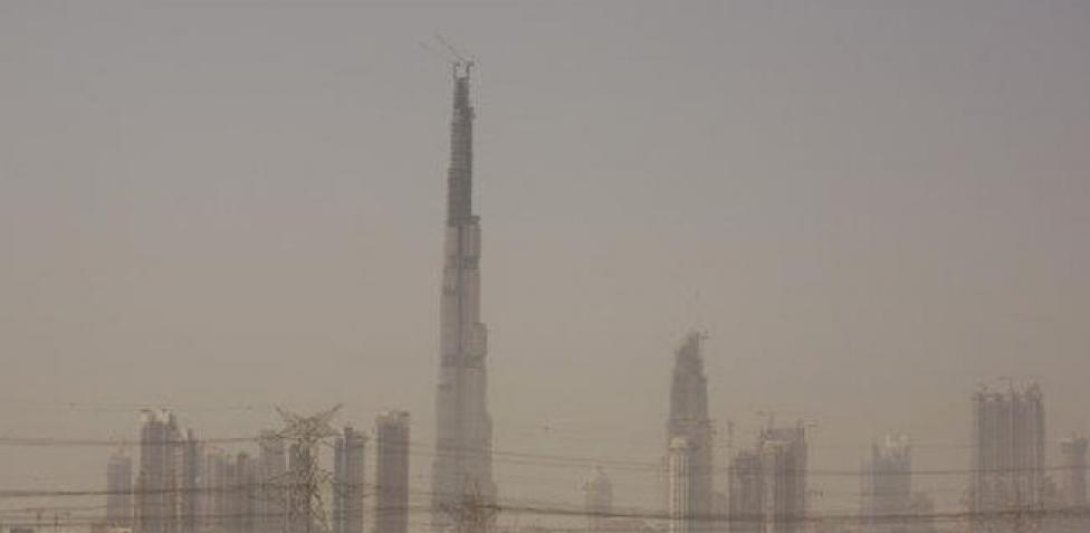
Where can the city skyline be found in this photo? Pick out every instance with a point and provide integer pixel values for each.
(222, 210)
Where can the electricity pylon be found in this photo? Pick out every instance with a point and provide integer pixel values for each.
(305, 477)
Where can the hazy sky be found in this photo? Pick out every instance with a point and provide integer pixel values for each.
(221, 206)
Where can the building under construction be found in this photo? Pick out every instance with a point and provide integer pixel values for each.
(887, 486)
(158, 498)
(768, 483)
(1007, 489)
(462, 470)
(689, 441)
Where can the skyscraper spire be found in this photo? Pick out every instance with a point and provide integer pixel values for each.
(462, 470)
(460, 173)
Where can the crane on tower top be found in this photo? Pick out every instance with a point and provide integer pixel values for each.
(451, 55)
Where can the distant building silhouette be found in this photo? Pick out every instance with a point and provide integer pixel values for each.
(192, 460)
(1007, 490)
(348, 479)
(768, 483)
(887, 486)
(158, 502)
(119, 497)
(1073, 453)
(271, 478)
(230, 481)
(679, 468)
(392, 472)
(598, 500)
(689, 420)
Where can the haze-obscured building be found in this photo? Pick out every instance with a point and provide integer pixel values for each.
(1073, 470)
(768, 483)
(679, 464)
(598, 500)
(462, 467)
(1007, 488)
(230, 487)
(119, 491)
(348, 480)
(392, 472)
(689, 421)
(192, 471)
(887, 486)
(158, 498)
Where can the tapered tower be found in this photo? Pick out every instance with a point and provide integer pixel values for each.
(690, 423)
(462, 470)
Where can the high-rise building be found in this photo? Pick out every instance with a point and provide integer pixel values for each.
(679, 469)
(462, 470)
(158, 501)
(768, 483)
(348, 479)
(392, 472)
(271, 479)
(1007, 489)
(229, 484)
(1073, 452)
(119, 509)
(598, 501)
(887, 486)
(689, 421)
(215, 497)
(746, 505)
(1070, 499)
(242, 486)
(784, 457)
(190, 483)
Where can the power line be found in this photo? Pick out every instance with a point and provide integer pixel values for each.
(543, 459)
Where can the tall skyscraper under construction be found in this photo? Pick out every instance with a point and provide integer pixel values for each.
(689, 421)
(348, 463)
(392, 472)
(463, 462)
(1008, 471)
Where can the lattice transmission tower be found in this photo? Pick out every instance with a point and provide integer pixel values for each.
(305, 478)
